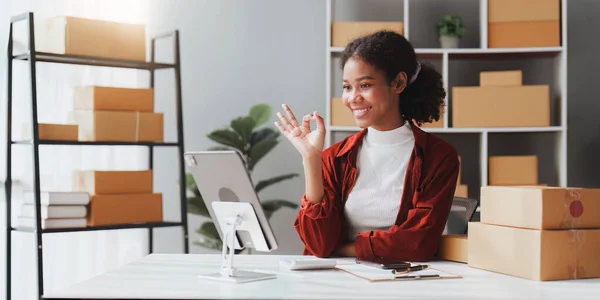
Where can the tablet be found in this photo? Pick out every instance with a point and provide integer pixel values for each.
(222, 176)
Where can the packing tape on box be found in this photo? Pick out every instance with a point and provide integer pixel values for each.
(573, 210)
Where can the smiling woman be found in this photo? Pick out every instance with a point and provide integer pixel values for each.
(384, 193)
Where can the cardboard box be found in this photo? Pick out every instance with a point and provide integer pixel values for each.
(112, 182)
(462, 190)
(519, 10)
(539, 207)
(524, 34)
(534, 254)
(513, 170)
(501, 78)
(501, 106)
(89, 37)
(121, 126)
(454, 247)
(51, 132)
(344, 32)
(111, 98)
(124, 209)
(340, 114)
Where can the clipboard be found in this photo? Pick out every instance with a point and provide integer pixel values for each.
(373, 274)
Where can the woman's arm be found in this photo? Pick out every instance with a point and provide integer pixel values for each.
(313, 181)
(319, 220)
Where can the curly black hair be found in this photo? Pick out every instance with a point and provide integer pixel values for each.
(392, 53)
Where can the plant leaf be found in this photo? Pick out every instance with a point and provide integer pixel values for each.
(260, 113)
(263, 134)
(197, 206)
(209, 230)
(227, 137)
(208, 243)
(265, 183)
(270, 206)
(190, 184)
(243, 126)
(260, 150)
(218, 148)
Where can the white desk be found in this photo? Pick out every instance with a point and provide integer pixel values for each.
(173, 276)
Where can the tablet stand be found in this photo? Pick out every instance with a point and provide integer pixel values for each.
(233, 216)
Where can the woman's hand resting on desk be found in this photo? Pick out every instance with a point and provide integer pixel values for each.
(308, 142)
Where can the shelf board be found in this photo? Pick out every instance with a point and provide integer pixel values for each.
(465, 130)
(476, 51)
(93, 61)
(82, 143)
(97, 228)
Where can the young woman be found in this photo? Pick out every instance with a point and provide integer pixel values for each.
(384, 193)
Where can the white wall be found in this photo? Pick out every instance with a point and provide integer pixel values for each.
(234, 54)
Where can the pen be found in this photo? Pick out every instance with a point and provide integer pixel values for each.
(410, 269)
(417, 277)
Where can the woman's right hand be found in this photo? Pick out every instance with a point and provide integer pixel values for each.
(308, 142)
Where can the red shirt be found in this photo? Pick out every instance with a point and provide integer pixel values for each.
(429, 186)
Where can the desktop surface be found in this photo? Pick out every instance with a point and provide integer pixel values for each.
(174, 276)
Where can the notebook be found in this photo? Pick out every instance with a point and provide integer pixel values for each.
(373, 274)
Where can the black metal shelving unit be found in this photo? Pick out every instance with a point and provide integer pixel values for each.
(33, 57)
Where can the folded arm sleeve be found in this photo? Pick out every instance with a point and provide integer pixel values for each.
(417, 239)
(319, 225)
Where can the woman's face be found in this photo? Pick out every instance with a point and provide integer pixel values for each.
(371, 98)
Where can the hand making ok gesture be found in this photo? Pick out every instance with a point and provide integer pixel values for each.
(308, 143)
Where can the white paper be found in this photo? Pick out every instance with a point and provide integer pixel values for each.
(376, 274)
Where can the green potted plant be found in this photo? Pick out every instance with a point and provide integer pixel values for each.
(253, 143)
(450, 29)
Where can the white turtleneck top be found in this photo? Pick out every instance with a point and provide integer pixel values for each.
(382, 161)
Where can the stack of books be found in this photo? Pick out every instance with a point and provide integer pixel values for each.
(57, 210)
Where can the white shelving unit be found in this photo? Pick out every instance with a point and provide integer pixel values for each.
(446, 56)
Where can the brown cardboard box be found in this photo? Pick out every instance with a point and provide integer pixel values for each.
(454, 247)
(519, 10)
(534, 254)
(340, 114)
(112, 182)
(539, 207)
(524, 34)
(513, 170)
(491, 106)
(517, 23)
(111, 98)
(122, 126)
(124, 209)
(501, 78)
(52, 132)
(89, 37)
(344, 32)
(462, 190)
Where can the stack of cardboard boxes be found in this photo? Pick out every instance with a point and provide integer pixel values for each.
(103, 114)
(119, 197)
(538, 233)
(518, 23)
(501, 100)
(116, 114)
